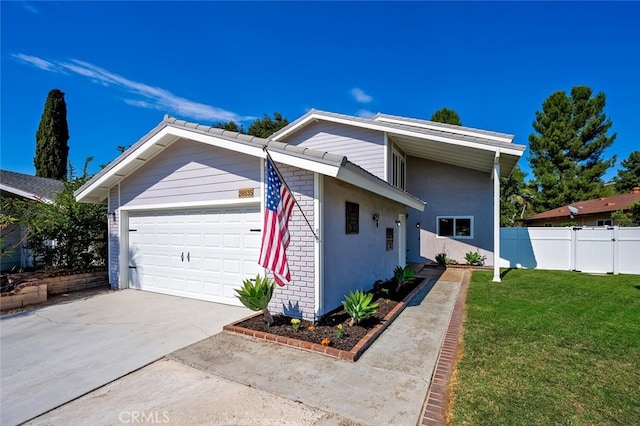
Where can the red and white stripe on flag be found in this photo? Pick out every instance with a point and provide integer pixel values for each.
(275, 232)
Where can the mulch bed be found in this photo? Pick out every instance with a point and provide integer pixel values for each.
(327, 326)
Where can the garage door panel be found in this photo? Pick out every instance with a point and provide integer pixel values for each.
(219, 249)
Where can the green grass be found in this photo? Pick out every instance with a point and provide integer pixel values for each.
(550, 348)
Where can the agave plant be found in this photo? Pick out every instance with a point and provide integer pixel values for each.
(403, 276)
(359, 306)
(256, 295)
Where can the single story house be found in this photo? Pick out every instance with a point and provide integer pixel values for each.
(24, 187)
(596, 212)
(186, 204)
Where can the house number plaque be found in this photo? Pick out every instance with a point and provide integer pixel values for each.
(245, 193)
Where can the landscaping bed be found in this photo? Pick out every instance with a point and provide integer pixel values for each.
(354, 339)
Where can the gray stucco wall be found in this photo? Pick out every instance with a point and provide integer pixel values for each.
(191, 171)
(362, 146)
(448, 191)
(297, 298)
(356, 261)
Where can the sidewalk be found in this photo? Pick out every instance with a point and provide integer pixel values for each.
(233, 379)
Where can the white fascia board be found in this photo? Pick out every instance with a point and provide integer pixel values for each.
(25, 194)
(129, 159)
(379, 187)
(194, 204)
(216, 141)
(404, 132)
(302, 163)
(461, 131)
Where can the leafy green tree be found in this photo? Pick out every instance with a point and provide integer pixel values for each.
(515, 198)
(629, 176)
(566, 152)
(51, 138)
(65, 233)
(230, 125)
(446, 115)
(631, 217)
(266, 126)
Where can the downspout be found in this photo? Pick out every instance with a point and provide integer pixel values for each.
(496, 217)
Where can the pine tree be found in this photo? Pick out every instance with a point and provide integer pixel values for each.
(629, 176)
(566, 154)
(446, 115)
(51, 138)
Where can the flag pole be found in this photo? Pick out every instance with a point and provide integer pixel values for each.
(264, 148)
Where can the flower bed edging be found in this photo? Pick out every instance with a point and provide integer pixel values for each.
(352, 355)
(27, 293)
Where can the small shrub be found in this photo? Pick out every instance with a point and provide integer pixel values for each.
(359, 306)
(442, 258)
(257, 295)
(403, 276)
(473, 258)
(295, 323)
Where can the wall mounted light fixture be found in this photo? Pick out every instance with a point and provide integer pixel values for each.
(112, 215)
(376, 218)
(398, 223)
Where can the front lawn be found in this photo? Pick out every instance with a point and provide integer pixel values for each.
(550, 347)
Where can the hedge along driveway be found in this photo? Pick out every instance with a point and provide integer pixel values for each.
(58, 353)
(550, 347)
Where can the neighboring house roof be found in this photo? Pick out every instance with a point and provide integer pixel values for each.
(31, 187)
(172, 129)
(591, 207)
(461, 146)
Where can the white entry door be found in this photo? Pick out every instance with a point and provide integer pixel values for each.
(201, 254)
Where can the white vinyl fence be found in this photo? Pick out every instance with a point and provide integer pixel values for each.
(610, 250)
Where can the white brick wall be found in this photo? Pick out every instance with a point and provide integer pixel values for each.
(297, 299)
(114, 246)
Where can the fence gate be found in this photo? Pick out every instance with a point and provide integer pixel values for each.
(594, 250)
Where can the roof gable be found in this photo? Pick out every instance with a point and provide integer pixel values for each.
(30, 187)
(172, 129)
(456, 145)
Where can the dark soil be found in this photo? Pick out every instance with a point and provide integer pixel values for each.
(327, 327)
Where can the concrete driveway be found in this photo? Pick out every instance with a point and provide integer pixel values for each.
(53, 355)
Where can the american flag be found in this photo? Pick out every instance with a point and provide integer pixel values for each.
(275, 233)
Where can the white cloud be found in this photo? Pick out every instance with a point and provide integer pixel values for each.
(37, 62)
(360, 96)
(364, 113)
(149, 97)
(29, 7)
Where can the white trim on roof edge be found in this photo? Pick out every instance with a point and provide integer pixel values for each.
(462, 130)
(353, 176)
(404, 132)
(26, 194)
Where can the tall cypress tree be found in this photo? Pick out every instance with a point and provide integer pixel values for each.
(566, 154)
(52, 150)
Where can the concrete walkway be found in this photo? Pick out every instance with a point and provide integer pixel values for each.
(232, 379)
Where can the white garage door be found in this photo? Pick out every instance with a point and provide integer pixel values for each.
(202, 254)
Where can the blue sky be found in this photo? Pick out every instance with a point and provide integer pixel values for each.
(123, 65)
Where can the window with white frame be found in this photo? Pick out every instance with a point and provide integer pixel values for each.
(604, 222)
(455, 226)
(398, 172)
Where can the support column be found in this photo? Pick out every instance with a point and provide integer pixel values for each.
(496, 217)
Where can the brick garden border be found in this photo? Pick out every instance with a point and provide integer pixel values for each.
(438, 396)
(352, 355)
